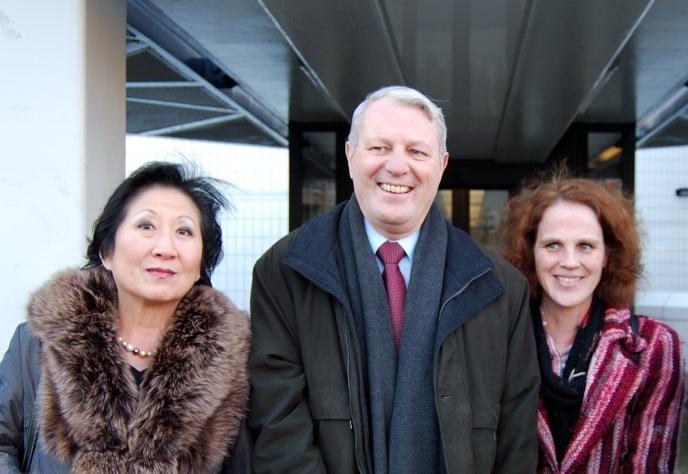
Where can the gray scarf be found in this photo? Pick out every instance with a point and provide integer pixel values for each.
(400, 394)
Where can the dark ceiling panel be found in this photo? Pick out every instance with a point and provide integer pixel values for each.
(661, 52)
(462, 54)
(654, 62)
(306, 102)
(567, 48)
(345, 45)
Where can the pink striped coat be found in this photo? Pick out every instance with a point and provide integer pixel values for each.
(630, 417)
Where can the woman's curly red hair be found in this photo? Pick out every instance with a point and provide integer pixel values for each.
(616, 216)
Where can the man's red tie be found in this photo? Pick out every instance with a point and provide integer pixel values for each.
(391, 253)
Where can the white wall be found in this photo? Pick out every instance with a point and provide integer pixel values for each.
(659, 172)
(664, 216)
(62, 128)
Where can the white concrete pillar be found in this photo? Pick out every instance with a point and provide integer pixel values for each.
(62, 135)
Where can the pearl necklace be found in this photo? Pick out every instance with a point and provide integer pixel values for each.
(135, 350)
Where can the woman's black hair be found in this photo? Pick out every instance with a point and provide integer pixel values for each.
(205, 192)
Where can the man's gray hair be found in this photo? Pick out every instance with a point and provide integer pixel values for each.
(406, 96)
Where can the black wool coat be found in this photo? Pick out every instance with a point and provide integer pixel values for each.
(307, 408)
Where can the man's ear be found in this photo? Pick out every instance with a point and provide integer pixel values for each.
(444, 161)
(349, 152)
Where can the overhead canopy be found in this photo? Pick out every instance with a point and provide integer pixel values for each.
(511, 75)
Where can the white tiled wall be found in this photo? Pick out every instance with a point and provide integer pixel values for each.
(664, 216)
(659, 172)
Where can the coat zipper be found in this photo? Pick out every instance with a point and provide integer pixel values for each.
(33, 437)
(434, 375)
(348, 386)
(462, 289)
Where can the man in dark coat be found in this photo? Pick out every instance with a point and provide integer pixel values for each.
(364, 363)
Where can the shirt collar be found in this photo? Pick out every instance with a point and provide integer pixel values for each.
(376, 239)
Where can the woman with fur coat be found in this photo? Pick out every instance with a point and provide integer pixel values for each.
(612, 381)
(135, 363)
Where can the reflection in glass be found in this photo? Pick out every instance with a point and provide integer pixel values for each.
(485, 214)
(319, 186)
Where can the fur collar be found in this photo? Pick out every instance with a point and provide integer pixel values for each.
(190, 405)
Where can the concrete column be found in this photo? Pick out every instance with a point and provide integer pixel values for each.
(62, 135)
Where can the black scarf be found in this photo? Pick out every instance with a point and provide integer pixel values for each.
(563, 396)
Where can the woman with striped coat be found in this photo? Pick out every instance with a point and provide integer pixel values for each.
(612, 381)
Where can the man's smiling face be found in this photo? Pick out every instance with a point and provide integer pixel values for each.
(395, 166)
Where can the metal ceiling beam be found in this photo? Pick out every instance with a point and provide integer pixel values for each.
(674, 106)
(179, 105)
(166, 36)
(135, 48)
(191, 125)
(162, 84)
(194, 78)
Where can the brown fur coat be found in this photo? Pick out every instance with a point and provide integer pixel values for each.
(191, 402)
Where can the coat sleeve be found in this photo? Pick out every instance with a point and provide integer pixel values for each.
(279, 418)
(11, 406)
(517, 449)
(656, 419)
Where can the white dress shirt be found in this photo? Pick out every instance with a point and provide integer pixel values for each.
(408, 243)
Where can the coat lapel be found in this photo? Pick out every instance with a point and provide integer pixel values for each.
(612, 382)
(469, 283)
